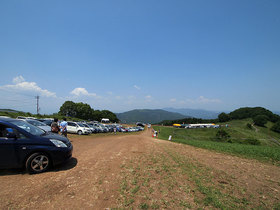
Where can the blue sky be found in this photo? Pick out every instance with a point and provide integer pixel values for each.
(127, 54)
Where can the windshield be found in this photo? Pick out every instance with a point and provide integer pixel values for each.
(36, 123)
(80, 124)
(29, 128)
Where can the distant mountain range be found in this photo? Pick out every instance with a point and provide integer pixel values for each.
(197, 113)
(148, 116)
(9, 110)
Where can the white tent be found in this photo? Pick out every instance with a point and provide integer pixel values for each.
(105, 120)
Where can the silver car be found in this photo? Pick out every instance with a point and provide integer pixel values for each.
(39, 124)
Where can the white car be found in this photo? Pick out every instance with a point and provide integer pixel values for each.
(78, 128)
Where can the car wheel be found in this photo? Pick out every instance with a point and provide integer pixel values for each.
(80, 132)
(37, 163)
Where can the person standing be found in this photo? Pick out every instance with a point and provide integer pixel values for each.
(63, 127)
(54, 126)
(115, 130)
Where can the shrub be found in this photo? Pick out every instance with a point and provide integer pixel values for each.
(276, 127)
(249, 125)
(222, 134)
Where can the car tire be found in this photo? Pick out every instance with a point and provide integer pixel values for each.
(38, 163)
(80, 132)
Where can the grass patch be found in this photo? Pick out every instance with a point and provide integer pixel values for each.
(168, 180)
(206, 138)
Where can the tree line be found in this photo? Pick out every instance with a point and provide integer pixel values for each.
(84, 111)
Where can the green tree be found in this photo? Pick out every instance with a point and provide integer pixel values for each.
(110, 115)
(97, 115)
(223, 117)
(68, 109)
(83, 111)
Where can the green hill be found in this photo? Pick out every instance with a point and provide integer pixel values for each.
(249, 141)
(148, 116)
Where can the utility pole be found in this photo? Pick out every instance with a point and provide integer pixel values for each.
(37, 97)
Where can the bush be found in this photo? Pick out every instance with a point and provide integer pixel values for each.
(249, 125)
(276, 127)
(222, 134)
(260, 120)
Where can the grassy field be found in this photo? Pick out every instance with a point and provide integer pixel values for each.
(168, 178)
(171, 181)
(240, 137)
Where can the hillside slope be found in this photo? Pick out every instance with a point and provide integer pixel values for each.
(148, 116)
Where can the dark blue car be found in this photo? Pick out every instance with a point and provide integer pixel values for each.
(23, 145)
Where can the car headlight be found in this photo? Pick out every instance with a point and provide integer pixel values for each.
(58, 143)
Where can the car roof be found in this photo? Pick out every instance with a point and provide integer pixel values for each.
(8, 119)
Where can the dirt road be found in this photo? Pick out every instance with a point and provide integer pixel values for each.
(138, 171)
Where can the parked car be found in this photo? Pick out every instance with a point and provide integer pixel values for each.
(93, 128)
(140, 128)
(39, 124)
(103, 128)
(47, 122)
(90, 128)
(96, 128)
(123, 129)
(25, 145)
(31, 118)
(78, 128)
(110, 128)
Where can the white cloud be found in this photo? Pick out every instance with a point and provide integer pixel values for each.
(148, 98)
(136, 87)
(173, 100)
(82, 92)
(18, 79)
(20, 85)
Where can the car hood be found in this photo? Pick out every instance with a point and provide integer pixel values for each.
(50, 135)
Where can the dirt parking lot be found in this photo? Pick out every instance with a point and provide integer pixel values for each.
(138, 171)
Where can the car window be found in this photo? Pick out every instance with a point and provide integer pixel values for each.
(71, 124)
(80, 124)
(29, 128)
(4, 130)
